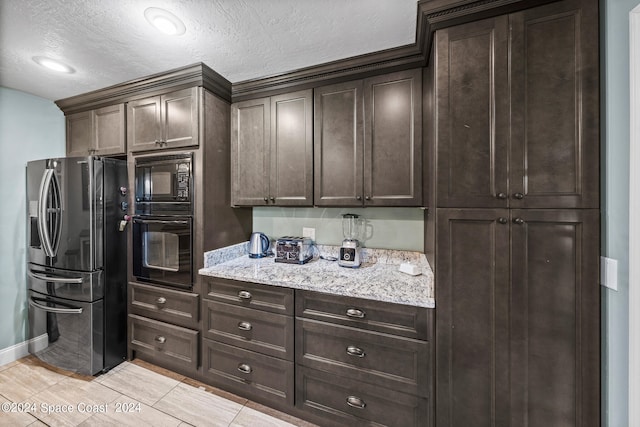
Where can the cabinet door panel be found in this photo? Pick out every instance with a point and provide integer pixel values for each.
(143, 124)
(109, 132)
(79, 138)
(555, 136)
(250, 135)
(472, 336)
(555, 318)
(291, 178)
(393, 139)
(472, 114)
(180, 118)
(338, 144)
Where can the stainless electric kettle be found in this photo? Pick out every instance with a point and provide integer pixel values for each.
(259, 245)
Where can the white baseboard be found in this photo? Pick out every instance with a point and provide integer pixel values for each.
(15, 352)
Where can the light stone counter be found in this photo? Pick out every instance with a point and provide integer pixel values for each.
(377, 278)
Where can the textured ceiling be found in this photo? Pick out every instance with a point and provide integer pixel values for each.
(109, 41)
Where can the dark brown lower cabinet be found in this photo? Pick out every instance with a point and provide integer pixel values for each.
(517, 318)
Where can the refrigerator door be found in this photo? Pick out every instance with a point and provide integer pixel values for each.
(73, 285)
(65, 209)
(67, 334)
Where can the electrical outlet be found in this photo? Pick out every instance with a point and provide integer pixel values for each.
(609, 273)
(309, 232)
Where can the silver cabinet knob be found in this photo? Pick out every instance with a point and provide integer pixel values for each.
(160, 339)
(352, 350)
(244, 295)
(518, 196)
(356, 402)
(245, 326)
(161, 300)
(245, 368)
(355, 313)
(518, 221)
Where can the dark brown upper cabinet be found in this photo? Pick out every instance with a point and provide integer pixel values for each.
(272, 151)
(165, 121)
(518, 318)
(517, 110)
(97, 132)
(368, 141)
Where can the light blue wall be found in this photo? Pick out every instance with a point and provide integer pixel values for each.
(30, 128)
(387, 228)
(614, 23)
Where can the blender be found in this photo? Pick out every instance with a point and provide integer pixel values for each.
(350, 249)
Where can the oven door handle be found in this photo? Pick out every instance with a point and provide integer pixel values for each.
(54, 309)
(77, 280)
(160, 221)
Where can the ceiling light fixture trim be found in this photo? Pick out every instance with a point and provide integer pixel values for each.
(53, 64)
(165, 21)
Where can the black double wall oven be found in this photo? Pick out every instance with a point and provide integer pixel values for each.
(163, 221)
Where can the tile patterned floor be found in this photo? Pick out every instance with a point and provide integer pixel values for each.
(132, 394)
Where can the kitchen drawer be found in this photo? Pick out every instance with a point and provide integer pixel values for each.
(179, 308)
(262, 297)
(394, 362)
(256, 330)
(257, 375)
(346, 401)
(163, 342)
(405, 320)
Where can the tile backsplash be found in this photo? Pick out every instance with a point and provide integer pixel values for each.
(386, 228)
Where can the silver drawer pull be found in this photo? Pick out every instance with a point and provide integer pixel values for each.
(245, 368)
(356, 402)
(245, 326)
(352, 350)
(161, 300)
(160, 339)
(244, 295)
(355, 313)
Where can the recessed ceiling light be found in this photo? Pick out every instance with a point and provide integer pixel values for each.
(165, 21)
(52, 64)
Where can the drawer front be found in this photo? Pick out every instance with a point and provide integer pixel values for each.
(248, 372)
(262, 297)
(164, 342)
(398, 363)
(179, 308)
(255, 330)
(405, 320)
(349, 402)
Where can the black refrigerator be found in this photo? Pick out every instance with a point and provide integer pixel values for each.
(77, 262)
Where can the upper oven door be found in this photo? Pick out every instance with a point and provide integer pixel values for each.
(162, 250)
(163, 185)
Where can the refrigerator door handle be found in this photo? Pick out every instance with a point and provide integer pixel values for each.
(55, 279)
(50, 247)
(54, 309)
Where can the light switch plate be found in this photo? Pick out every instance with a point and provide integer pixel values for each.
(609, 272)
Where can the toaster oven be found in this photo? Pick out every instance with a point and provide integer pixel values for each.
(294, 250)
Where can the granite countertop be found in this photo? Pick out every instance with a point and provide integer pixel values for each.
(377, 278)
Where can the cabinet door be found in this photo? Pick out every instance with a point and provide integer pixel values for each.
(291, 177)
(393, 139)
(555, 106)
(250, 139)
(472, 318)
(79, 134)
(555, 359)
(472, 110)
(109, 130)
(143, 124)
(338, 144)
(180, 118)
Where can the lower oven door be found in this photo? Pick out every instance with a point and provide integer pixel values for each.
(67, 334)
(163, 251)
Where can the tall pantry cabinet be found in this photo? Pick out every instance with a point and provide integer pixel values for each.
(516, 223)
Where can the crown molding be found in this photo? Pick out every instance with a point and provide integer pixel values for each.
(197, 74)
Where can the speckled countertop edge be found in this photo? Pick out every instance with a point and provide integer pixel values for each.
(378, 278)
